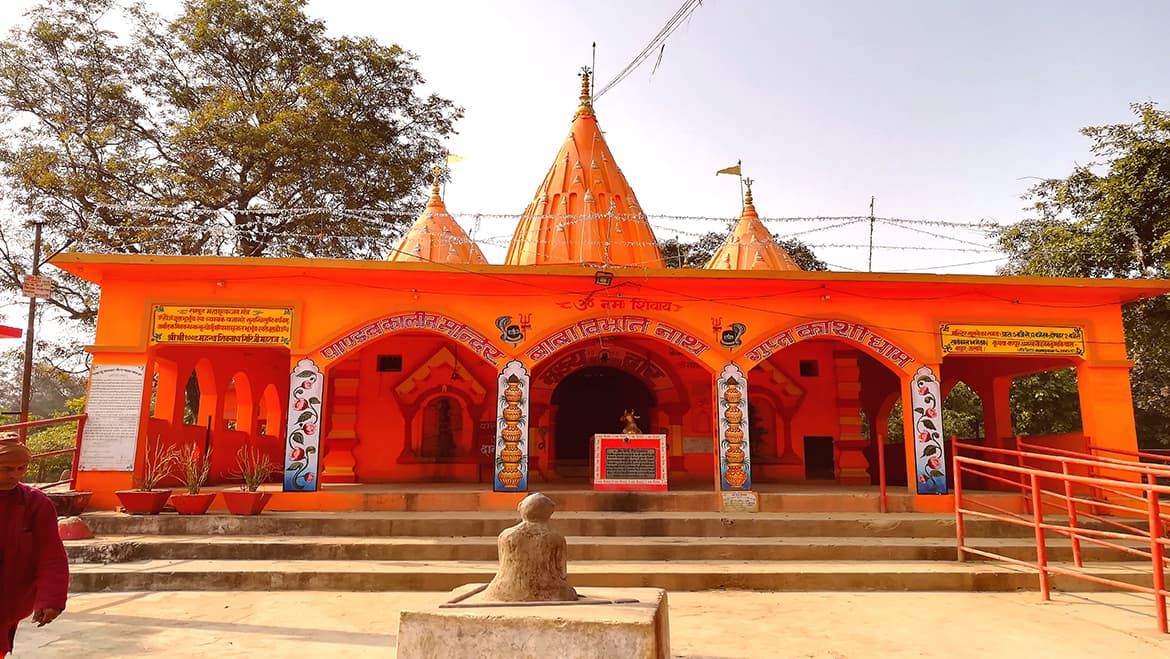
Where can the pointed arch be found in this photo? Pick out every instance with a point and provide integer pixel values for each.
(450, 326)
(892, 353)
(591, 327)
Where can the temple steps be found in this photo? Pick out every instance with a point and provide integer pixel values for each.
(592, 524)
(455, 497)
(672, 575)
(375, 551)
(347, 548)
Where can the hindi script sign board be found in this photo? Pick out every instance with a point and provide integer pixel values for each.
(629, 462)
(114, 406)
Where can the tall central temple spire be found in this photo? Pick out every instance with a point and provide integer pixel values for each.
(584, 210)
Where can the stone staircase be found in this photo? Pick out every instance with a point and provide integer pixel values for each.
(619, 547)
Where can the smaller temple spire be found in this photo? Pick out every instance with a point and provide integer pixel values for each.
(750, 246)
(435, 237)
(586, 96)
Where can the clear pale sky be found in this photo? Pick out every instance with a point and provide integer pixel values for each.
(942, 110)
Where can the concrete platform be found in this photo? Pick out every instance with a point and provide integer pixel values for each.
(703, 625)
(637, 629)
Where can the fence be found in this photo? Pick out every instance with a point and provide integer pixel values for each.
(1120, 494)
(24, 427)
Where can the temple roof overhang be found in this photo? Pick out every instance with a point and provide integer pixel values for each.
(738, 285)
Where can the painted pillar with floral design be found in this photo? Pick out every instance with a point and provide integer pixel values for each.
(930, 462)
(511, 464)
(731, 396)
(302, 445)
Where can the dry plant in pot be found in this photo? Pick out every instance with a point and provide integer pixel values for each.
(254, 468)
(194, 467)
(158, 463)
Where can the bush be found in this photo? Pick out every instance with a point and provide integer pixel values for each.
(53, 438)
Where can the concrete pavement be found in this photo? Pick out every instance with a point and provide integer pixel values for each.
(704, 624)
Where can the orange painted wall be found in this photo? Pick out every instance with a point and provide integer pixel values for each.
(333, 299)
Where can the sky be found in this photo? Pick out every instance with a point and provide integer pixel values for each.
(942, 111)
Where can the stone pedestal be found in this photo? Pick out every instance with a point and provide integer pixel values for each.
(638, 630)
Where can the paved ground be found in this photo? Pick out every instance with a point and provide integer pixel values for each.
(707, 625)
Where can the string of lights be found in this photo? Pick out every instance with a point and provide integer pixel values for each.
(375, 231)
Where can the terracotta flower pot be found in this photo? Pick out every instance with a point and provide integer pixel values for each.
(71, 503)
(239, 502)
(192, 504)
(143, 502)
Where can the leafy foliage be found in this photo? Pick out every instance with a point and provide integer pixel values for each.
(1109, 218)
(54, 438)
(229, 109)
(696, 254)
(962, 413)
(53, 389)
(1046, 403)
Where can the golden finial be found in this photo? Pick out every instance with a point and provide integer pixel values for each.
(747, 199)
(585, 98)
(436, 173)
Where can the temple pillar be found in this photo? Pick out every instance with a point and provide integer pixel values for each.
(997, 413)
(339, 463)
(302, 444)
(1107, 406)
(733, 469)
(849, 445)
(926, 459)
(510, 471)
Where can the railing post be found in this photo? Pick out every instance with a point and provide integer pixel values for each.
(960, 529)
(1041, 548)
(1072, 515)
(881, 455)
(1156, 552)
(76, 452)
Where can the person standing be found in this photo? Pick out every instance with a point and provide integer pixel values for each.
(34, 571)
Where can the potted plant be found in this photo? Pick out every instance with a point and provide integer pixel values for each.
(194, 465)
(254, 468)
(159, 462)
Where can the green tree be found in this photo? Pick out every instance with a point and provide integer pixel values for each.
(52, 387)
(1046, 403)
(962, 413)
(696, 254)
(1111, 218)
(223, 113)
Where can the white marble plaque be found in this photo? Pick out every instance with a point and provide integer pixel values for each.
(114, 407)
(741, 501)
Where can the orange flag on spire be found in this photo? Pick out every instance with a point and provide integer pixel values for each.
(735, 169)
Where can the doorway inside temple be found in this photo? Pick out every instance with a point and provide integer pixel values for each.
(588, 402)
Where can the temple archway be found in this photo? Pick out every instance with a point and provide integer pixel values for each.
(590, 401)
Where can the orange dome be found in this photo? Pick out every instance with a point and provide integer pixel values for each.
(750, 245)
(585, 211)
(435, 237)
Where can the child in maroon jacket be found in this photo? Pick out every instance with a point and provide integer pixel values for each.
(34, 572)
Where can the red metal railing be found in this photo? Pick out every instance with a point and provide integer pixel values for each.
(23, 428)
(1128, 490)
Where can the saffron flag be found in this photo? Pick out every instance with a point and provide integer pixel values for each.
(729, 170)
(452, 158)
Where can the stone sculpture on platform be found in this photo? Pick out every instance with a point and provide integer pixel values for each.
(533, 558)
(530, 610)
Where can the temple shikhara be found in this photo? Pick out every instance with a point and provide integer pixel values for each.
(434, 366)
